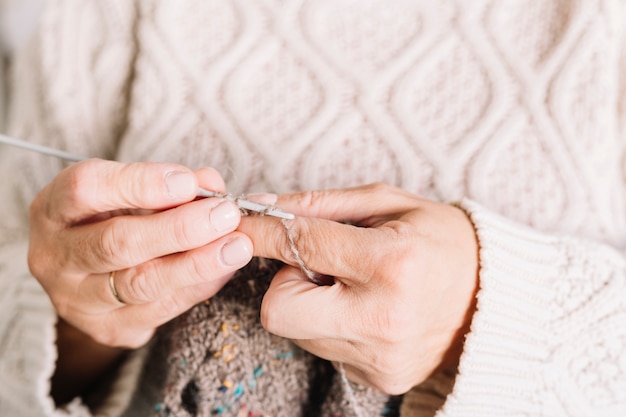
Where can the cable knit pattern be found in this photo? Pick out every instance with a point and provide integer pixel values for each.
(518, 106)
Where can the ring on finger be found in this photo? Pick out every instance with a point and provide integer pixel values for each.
(113, 289)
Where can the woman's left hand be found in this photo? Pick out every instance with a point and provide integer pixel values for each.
(406, 274)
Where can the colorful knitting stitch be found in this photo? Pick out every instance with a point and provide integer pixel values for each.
(223, 363)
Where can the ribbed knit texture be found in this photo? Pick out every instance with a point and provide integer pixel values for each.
(518, 106)
(548, 337)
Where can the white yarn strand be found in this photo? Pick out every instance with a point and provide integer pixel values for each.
(312, 276)
(241, 202)
(358, 412)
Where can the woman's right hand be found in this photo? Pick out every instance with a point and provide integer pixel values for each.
(140, 220)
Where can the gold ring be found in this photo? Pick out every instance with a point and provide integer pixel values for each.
(113, 289)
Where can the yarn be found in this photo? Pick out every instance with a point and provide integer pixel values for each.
(315, 277)
(349, 392)
(312, 276)
(223, 362)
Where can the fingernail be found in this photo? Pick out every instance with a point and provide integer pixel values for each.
(225, 216)
(263, 198)
(237, 252)
(180, 184)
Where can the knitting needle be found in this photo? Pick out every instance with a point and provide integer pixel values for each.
(18, 143)
(241, 202)
(248, 205)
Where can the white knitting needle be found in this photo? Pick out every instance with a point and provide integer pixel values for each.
(241, 203)
(40, 149)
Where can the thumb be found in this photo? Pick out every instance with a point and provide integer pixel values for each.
(95, 186)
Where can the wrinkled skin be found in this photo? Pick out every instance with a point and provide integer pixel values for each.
(405, 272)
(140, 220)
(404, 269)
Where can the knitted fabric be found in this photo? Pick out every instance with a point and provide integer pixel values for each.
(519, 106)
(224, 363)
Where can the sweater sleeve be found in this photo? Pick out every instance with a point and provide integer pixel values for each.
(67, 91)
(549, 334)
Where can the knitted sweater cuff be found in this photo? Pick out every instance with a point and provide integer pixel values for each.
(28, 348)
(27, 337)
(501, 369)
(549, 334)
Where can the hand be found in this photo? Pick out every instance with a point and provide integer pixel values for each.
(405, 272)
(140, 220)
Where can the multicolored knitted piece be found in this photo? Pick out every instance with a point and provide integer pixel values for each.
(223, 363)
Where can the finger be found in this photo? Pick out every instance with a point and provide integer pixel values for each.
(210, 179)
(323, 246)
(329, 247)
(295, 308)
(162, 277)
(172, 305)
(125, 241)
(132, 325)
(95, 186)
(356, 205)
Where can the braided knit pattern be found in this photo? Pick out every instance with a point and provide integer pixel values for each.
(517, 105)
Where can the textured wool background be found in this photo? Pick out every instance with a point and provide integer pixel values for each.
(518, 105)
(18, 19)
(222, 362)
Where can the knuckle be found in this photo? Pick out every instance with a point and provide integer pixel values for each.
(114, 245)
(139, 288)
(298, 244)
(128, 184)
(188, 234)
(401, 253)
(132, 187)
(308, 199)
(402, 228)
(199, 267)
(313, 201)
(170, 306)
(109, 242)
(79, 181)
(142, 185)
(270, 318)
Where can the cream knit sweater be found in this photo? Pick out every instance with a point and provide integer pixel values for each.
(518, 106)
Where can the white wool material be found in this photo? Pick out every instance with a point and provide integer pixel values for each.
(515, 108)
